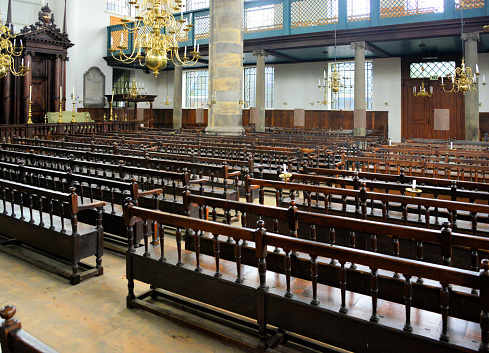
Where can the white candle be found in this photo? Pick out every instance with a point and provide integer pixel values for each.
(195, 43)
(414, 184)
(60, 92)
(185, 53)
(483, 79)
(198, 45)
(442, 80)
(431, 89)
(122, 39)
(451, 145)
(111, 42)
(112, 99)
(390, 142)
(285, 168)
(476, 68)
(30, 93)
(22, 62)
(73, 93)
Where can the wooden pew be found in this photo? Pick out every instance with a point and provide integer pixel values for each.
(275, 301)
(37, 217)
(14, 339)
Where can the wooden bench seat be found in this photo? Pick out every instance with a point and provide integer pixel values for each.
(274, 298)
(48, 222)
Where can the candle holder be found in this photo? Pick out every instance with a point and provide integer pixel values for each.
(60, 115)
(29, 114)
(45, 118)
(414, 192)
(74, 98)
(285, 176)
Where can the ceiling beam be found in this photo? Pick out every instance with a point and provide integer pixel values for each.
(283, 56)
(377, 51)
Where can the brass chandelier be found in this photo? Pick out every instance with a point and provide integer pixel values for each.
(156, 48)
(464, 80)
(135, 90)
(8, 52)
(334, 83)
(423, 93)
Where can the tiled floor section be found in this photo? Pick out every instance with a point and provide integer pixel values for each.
(92, 316)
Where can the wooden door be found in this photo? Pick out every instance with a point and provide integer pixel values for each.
(418, 113)
(42, 87)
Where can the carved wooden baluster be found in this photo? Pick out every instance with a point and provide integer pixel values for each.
(374, 290)
(419, 257)
(21, 203)
(174, 189)
(396, 252)
(444, 303)
(217, 250)
(261, 198)
(146, 238)
(344, 206)
(404, 214)
(214, 214)
(244, 223)
(237, 256)
(31, 207)
(91, 192)
(227, 217)
(178, 237)
(261, 253)
(197, 234)
(314, 279)
(332, 241)
(408, 296)
(353, 245)
(51, 214)
(40, 203)
(275, 230)
(4, 200)
(313, 232)
(288, 270)
(12, 202)
(343, 308)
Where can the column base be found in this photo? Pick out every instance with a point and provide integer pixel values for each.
(359, 131)
(225, 130)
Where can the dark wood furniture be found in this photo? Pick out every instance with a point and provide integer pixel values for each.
(14, 339)
(273, 300)
(47, 221)
(136, 100)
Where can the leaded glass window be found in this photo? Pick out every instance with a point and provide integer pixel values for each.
(250, 86)
(434, 68)
(197, 91)
(120, 7)
(344, 99)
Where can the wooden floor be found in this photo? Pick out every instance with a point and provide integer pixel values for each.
(92, 316)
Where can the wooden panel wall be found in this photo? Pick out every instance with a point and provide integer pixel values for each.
(418, 113)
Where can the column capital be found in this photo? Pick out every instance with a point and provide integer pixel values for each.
(359, 45)
(470, 36)
(260, 53)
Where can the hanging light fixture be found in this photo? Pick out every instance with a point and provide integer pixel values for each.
(464, 79)
(160, 45)
(423, 93)
(334, 83)
(168, 100)
(8, 52)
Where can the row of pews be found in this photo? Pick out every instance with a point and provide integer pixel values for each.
(307, 252)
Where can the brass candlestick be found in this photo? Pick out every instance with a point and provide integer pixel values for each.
(73, 120)
(60, 120)
(29, 121)
(111, 116)
(285, 176)
(414, 192)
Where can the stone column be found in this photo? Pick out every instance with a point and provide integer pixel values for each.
(360, 113)
(177, 98)
(226, 66)
(260, 88)
(471, 98)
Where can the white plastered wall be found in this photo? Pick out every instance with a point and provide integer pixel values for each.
(386, 92)
(484, 94)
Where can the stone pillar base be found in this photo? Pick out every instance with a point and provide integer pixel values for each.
(359, 131)
(224, 130)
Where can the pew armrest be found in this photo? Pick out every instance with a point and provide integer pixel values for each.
(197, 181)
(238, 172)
(89, 206)
(254, 187)
(150, 192)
